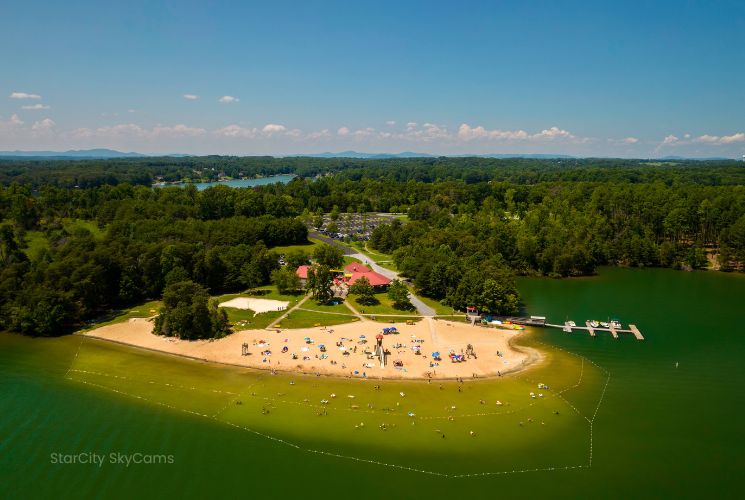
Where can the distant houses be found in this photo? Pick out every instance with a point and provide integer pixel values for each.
(349, 275)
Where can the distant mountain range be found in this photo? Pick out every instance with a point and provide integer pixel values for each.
(365, 156)
(409, 154)
(712, 158)
(103, 153)
(73, 153)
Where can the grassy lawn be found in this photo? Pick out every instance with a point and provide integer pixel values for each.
(261, 320)
(308, 248)
(36, 241)
(385, 260)
(385, 306)
(339, 308)
(119, 316)
(349, 260)
(440, 309)
(307, 319)
(263, 292)
(401, 217)
(238, 316)
(390, 320)
(71, 225)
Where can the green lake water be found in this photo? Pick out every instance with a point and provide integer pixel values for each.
(619, 420)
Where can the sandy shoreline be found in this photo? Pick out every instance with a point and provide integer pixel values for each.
(345, 351)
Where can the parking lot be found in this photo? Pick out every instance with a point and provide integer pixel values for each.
(350, 225)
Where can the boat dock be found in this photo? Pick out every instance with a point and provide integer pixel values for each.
(521, 320)
(636, 332)
(590, 329)
(614, 332)
(568, 328)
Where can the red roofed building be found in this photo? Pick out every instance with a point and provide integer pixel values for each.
(356, 267)
(377, 280)
(352, 272)
(302, 273)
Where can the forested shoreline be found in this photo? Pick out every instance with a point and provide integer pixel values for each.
(68, 253)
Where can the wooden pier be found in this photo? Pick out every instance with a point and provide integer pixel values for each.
(636, 332)
(590, 329)
(521, 320)
(593, 330)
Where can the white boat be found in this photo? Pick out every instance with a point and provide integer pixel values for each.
(571, 323)
(594, 324)
(616, 324)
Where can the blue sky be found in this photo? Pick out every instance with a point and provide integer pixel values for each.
(627, 78)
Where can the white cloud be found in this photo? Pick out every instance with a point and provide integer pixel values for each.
(191, 97)
(429, 132)
(131, 130)
(131, 111)
(364, 132)
(553, 133)
(710, 139)
(24, 95)
(390, 123)
(110, 131)
(237, 131)
(728, 139)
(13, 124)
(179, 130)
(468, 133)
(272, 128)
(35, 106)
(228, 98)
(43, 125)
(343, 131)
(630, 140)
(411, 126)
(322, 134)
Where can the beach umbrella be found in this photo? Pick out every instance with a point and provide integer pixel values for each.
(436, 354)
(306, 338)
(362, 336)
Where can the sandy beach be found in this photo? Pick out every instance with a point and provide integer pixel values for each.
(346, 353)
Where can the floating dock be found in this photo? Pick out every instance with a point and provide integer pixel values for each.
(636, 332)
(614, 332)
(593, 330)
(524, 321)
(590, 329)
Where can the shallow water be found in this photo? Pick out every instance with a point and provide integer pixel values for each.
(239, 183)
(658, 430)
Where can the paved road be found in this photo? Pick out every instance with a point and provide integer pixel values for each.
(423, 308)
(336, 243)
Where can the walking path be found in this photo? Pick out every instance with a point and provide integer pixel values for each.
(355, 311)
(293, 308)
(421, 307)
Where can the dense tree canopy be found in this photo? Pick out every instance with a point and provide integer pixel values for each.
(189, 313)
(364, 291)
(78, 238)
